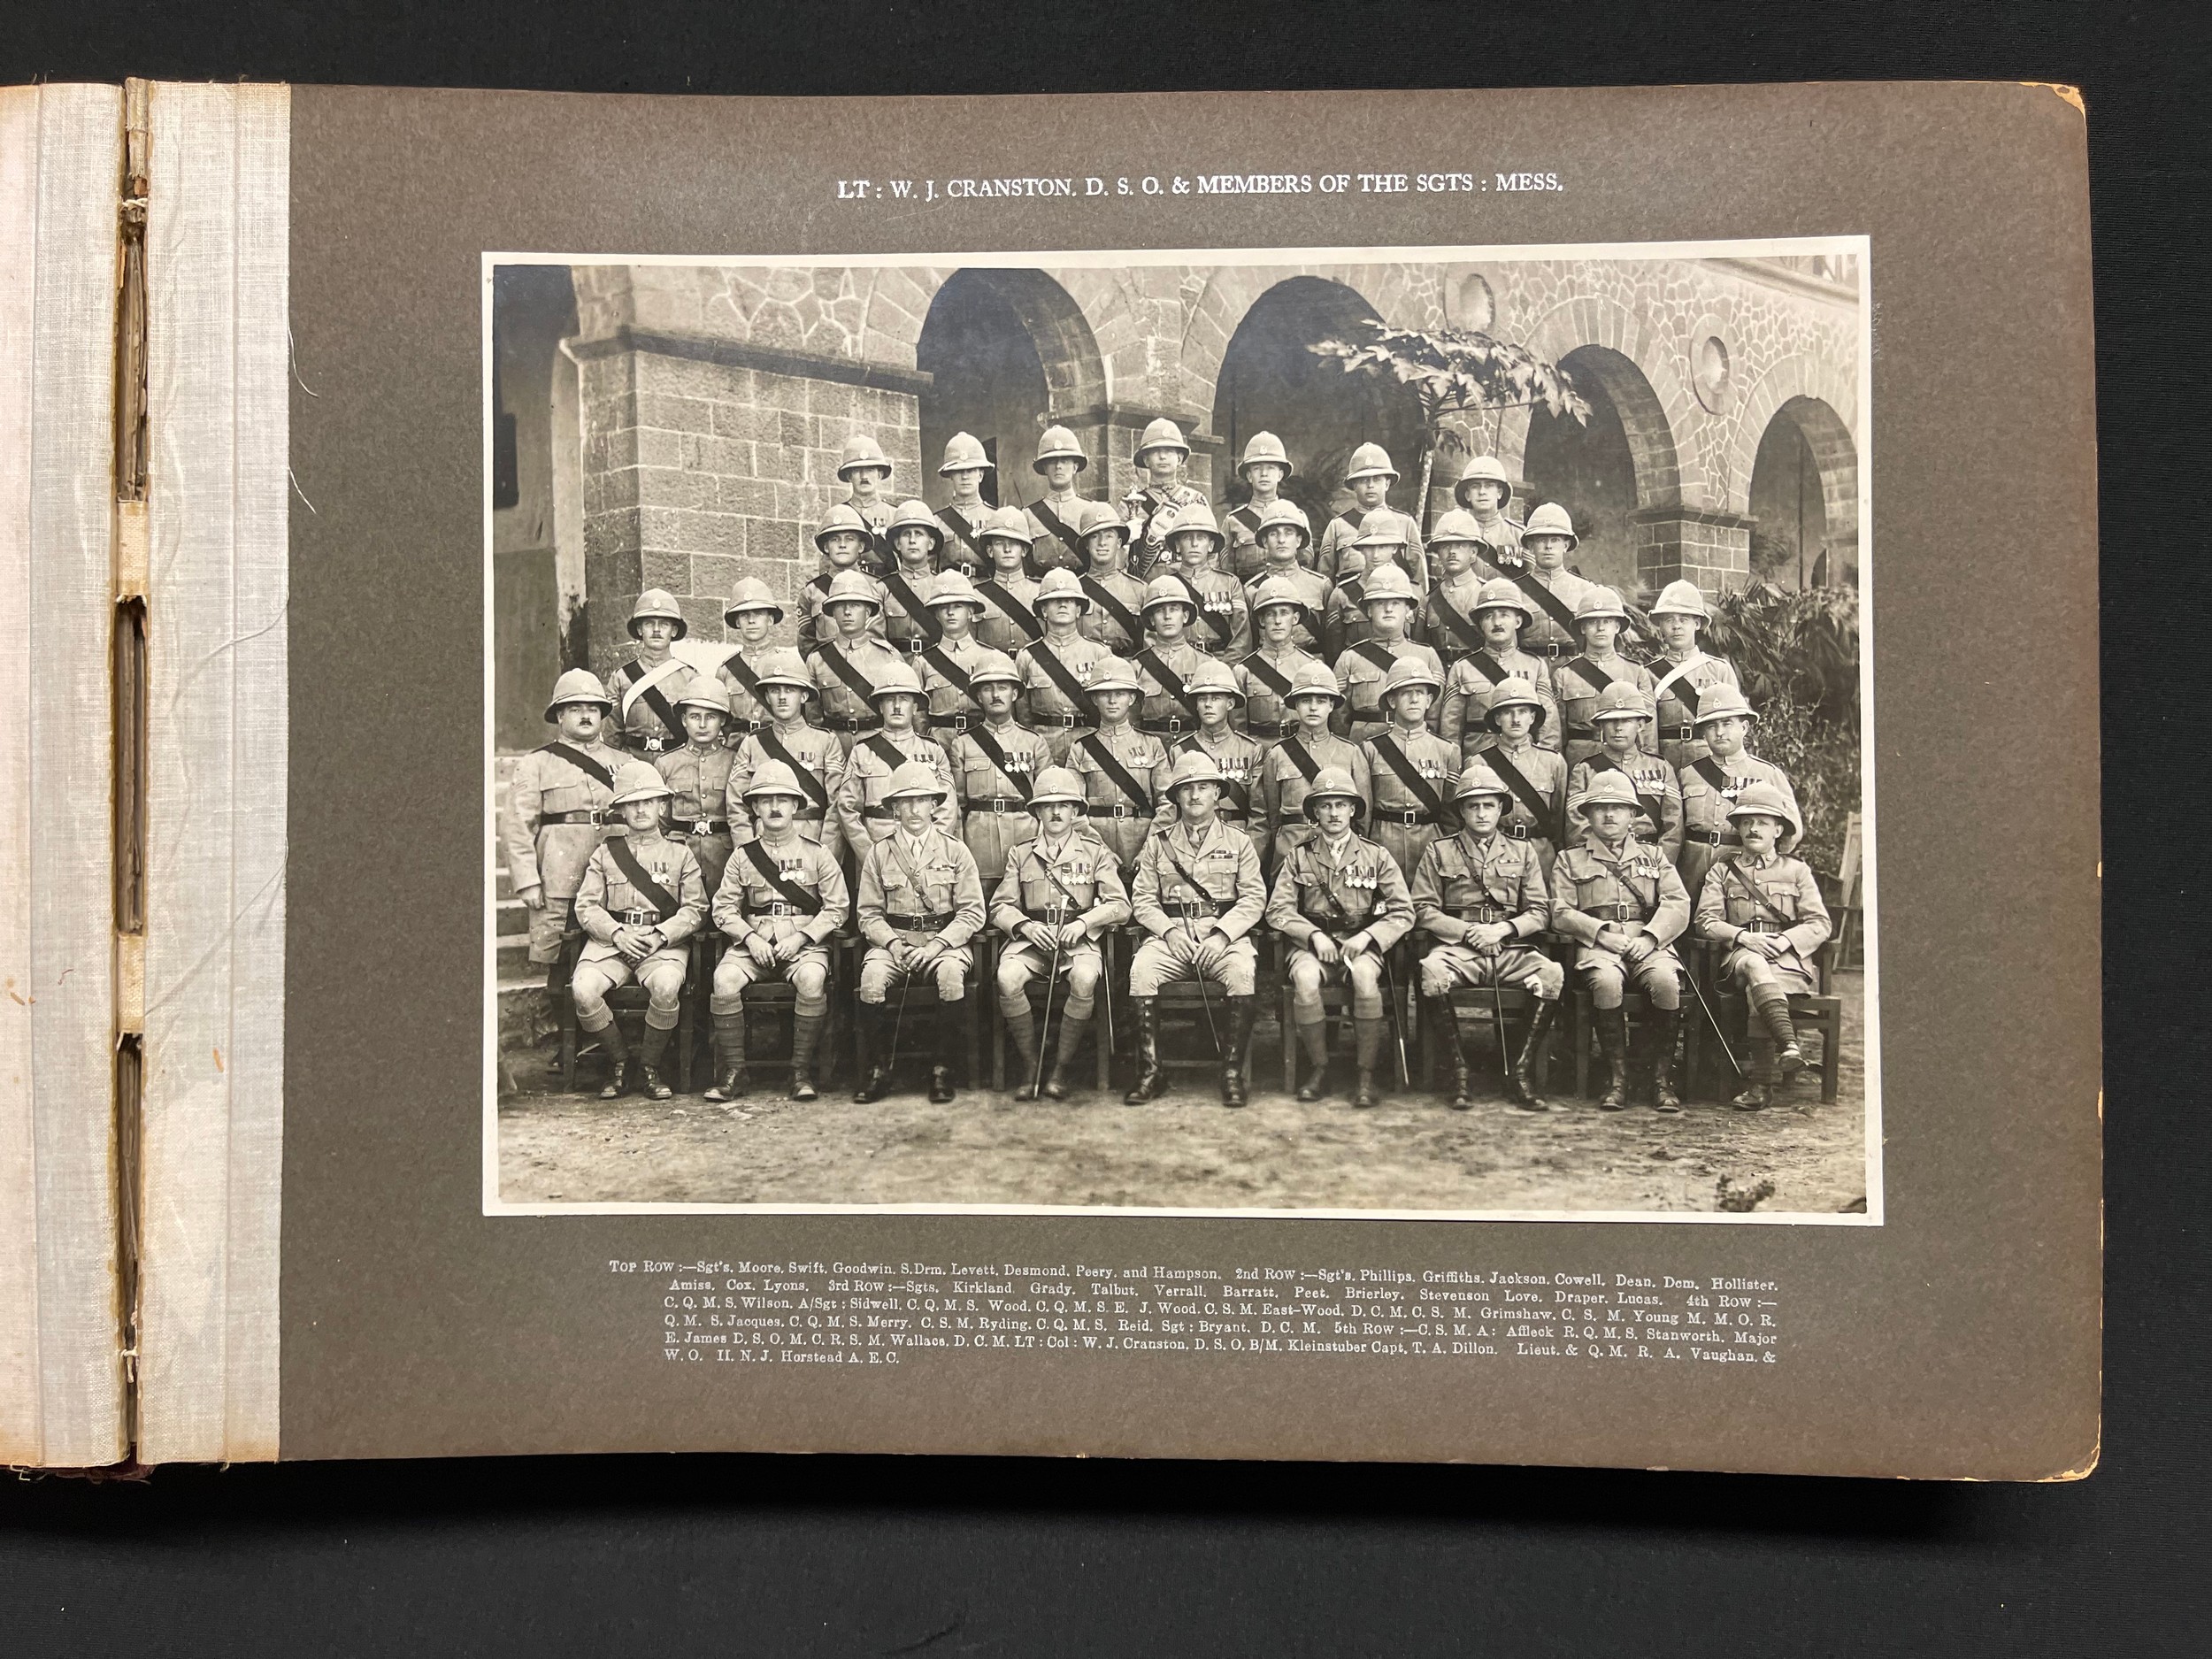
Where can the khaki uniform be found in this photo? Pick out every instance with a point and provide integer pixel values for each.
(808, 751)
(994, 800)
(1497, 546)
(1468, 689)
(1778, 895)
(1656, 790)
(1679, 744)
(1313, 594)
(1546, 636)
(1052, 550)
(1050, 711)
(606, 901)
(1446, 618)
(915, 893)
(1009, 621)
(1397, 818)
(1217, 884)
(1578, 682)
(1120, 632)
(1709, 787)
(1243, 555)
(862, 811)
(842, 709)
(1360, 672)
(748, 904)
(1335, 560)
(875, 558)
(551, 826)
(1284, 782)
(906, 629)
(1265, 681)
(815, 626)
(1354, 887)
(1223, 627)
(1160, 713)
(1240, 758)
(1635, 891)
(1143, 507)
(748, 712)
(1461, 881)
(1122, 821)
(642, 729)
(1546, 775)
(965, 552)
(951, 708)
(699, 811)
(1077, 880)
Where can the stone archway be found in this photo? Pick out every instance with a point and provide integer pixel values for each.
(1801, 397)
(1622, 461)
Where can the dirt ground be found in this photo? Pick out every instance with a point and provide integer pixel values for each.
(1186, 1151)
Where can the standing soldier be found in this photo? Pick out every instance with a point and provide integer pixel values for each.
(844, 539)
(1168, 660)
(1482, 897)
(1198, 893)
(1536, 776)
(1715, 781)
(782, 899)
(1764, 908)
(816, 758)
(1622, 902)
(920, 905)
(1483, 493)
(1264, 469)
(1681, 673)
(1285, 538)
(1120, 765)
(964, 515)
(1307, 746)
(1279, 614)
(853, 659)
(1152, 506)
(1222, 626)
(1477, 678)
(556, 803)
(947, 664)
(698, 778)
(1009, 621)
(994, 767)
(1383, 547)
(1388, 601)
(1411, 768)
(867, 470)
(645, 688)
(639, 900)
(1619, 718)
(1055, 670)
(1579, 683)
(1056, 516)
(1369, 476)
(862, 808)
(1116, 616)
(1554, 588)
(1446, 621)
(1340, 899)
(754, 613)
(1061, 891)
(916, 538)
(1213, 689)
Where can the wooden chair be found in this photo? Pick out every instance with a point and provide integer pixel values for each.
(1820, 1011)
(1336, 1009)
(625, 999)
(771, 996)
(918, 998)
(1039, 995)
(1518, 1006)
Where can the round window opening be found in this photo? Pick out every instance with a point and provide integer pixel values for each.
(1712, 374)
(1478, 305)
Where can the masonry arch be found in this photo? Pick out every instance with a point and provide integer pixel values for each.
(1803, 492)
(1603, 473)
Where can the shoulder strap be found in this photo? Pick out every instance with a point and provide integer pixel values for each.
(1040, 652)
(633, 872)
(1398, 761)
(1712, 772)
(645, 688)
(1376, 652)
(884, 749)
(936, 658)
(1308, 767)
(1053, 522)
(1675, 681)
(958, 525)
(582, 761)
(746, 677)
(1107, 600)
(1597, 678)
(841, 665)
(1249, 519)
(1169, 680)
(1552, 605)
(911, 601)
(1018, 613)
(1268, 675)
(1110, 764)
(1730, 871)
(1349, 522)
(1485, 665)
(807, 781)
(997, 756)
(791, 892)
(1516, 780)
(1463, 629)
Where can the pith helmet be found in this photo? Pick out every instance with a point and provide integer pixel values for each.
(1483, 469)
(774, 778)
(1314, 681)
(953, 587)
(1408, 671)
(1381, 528)
(1115, 674)
(1212, 678)
(636, 780)
(785, 668)
(1620, 701)
(844, 517)
(916, 514)
(1551, 519)
(705, 692)
(1479, 779)
(1599, 602)
(1056, 783)
(849, 586)
(1389, 582)
(1334, 781)
(1162, 434)
(1458, 525)
(1169, 589)
(1275, 591)
(1608, 789)
(1008, 523)
(752, 594)
(1264, 446)
(1514, 692)
(658, 601)
(1500, 593)
(577, 685)
(1369, 460)
(862, 449)
(1718, 702)
(1194, 765)
(1766, 799)
(1061, 583)
(1100, 515)
(1683, 598)
(1198, 517)
(994, 665)
(914, 778)
(896, 677)
(964, 452)
(1059, 444)
(1289, 512)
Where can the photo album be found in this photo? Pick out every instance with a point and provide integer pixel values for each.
(1293, 776)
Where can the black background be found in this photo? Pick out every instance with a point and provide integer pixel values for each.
(960, 1556)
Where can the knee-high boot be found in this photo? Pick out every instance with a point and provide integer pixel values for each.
(1441, 1018)
(1531, 1059)
(1071, 1029)
(1613, 1049)
(650, 1054)
(1240, 1043)
(876, 1019)
(952, 1034)
(1146, 1086)
(1666, 1022)
(806, 1041)
(617, 1062)
(1367, 1035)
(729, 1038)
(1021, 1031)
(1314, 1040)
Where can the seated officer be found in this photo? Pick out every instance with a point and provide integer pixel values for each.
(644, 688)
(1061, 892)
(995, 764)
(862, 810)
(1716, 780)
(815, 758)
(1342, 899)
(1536, 776)
(845, 538)
(1009, 593)
(1168, 660)
(1619, 718)
(1116, 618)
(916, 538)
(1120, 766)
(1389, 601)
(1482, 897)
(640, 898)
(1682, 674)
(1198, 893)
(553, 812)
(1285, 539)
(783, 897)
(1411, 769)
(1765, 907)
(1500, 613)
(1294, 764)
(1213, 690)
(1620, 900)
(851, 658)
(754, 613)
(1222, 624)
(1265, 468)
(1280, 616)
(920, 904)
(954, 608)
(1057, 669)
(1578, 682)
(698, 777)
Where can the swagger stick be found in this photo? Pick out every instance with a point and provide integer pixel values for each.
(1713, 1020)
(1397, 1022)
(1044, 1024)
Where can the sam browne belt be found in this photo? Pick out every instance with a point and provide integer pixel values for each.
(919, 923)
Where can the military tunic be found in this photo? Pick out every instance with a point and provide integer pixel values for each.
(1657, 792)
(1186, 886)
(1334, 555)
(1578, 682)
(1546, 636)
(993, 799)
(1055, 717)
(1266, 679)
(965, 552)
(1634, 890)
(1396, 815)
(1116, 618)
(1360, 673)
(945, 669)
(607, 901)
(1160, 712)
(641, 691)
(1053, 551)
(817, 758)
(1313, 596)
(1546, 774)
(1288, 772)
(1122, 819)
(1009, 621)
(844, 708)
(1676, 687)
(1246, 559)
(1079, 880)
(862, 811)
(550, 828)
(875, 558)
(1497, 545)
(748, 712)
(1465, 881)
(1240, 758)
(909, 628)
(913, 890)
(1469, 689)
(750, 905)
(1151, 513)
(1354, 887)
(1222, 626)
(815, 625)
(1446, 619)
(1710, 789)
(1774, 895)
(700, 807)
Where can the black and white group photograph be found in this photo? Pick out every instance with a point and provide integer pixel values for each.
(1365, 735)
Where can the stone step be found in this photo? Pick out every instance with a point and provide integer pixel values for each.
(514, 964)
(513, 914)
